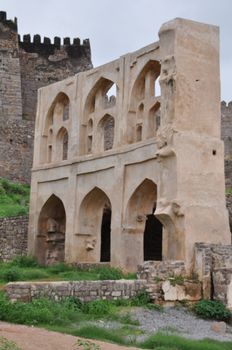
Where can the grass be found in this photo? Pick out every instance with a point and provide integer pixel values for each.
(6, 344)
(25, 268)
(162, 341)
(229, 191)
(14, 198)
(79, 319)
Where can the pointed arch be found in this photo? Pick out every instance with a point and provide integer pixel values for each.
(62, 144)
(59, 109)
(144, 83)
(95, 220)
(106, 132)
(153, 120)
(140, 219)
(98, 95)
(50, 241)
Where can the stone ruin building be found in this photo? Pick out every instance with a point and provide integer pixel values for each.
(25, 66)
(137, 176)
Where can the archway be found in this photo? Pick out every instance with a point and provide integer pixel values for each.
(144, 231)
(95, 222)
(50, 241)
(152, 241)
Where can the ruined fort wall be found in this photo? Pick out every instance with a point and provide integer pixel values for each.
(43, 63)
(226, 134)
(25, 66)
(13, 237)
(16, 149)
(10, 80)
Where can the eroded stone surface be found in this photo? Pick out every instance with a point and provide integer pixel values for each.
(166, 157)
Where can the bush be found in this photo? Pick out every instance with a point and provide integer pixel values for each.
(141, 299)
(212, 309)
(97, 307)
(24, 261)
(109, 273)
(11, 275)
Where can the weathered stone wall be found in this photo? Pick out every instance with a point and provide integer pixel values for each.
(45, 63)
(84, 290)
(226, 134)
(229, 206)
(213, 264)
(13, 237)
(25, 66)
(150, 270)
(16, 149)
(10, 80)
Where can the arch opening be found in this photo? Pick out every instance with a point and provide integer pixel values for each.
(95, 221)
(142, 222)
(106, 133)
(50, 241)
(62, 144)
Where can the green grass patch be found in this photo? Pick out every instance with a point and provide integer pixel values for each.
(162, 341)
(6, 344)
(229, 191)
(75, 317)
(14, 198)
(25, 268)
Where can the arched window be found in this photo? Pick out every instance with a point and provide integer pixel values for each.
(65, 146)
(102, 97)
(57, 117)
(143, 93)
(106, 133)
(62, 144)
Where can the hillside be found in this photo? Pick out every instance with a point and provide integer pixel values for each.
(14, 198)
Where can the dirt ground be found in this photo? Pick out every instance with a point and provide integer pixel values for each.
(32, 338)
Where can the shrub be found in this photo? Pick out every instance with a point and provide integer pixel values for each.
(97, 307)
(141, 299)
(109, 273)
(24, 261)
(13, 274)
(212, 309)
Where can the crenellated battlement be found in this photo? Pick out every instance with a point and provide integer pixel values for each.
(8, 22)
(46, 46)
(226, 108)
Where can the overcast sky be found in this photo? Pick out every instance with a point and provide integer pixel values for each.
(120, 26)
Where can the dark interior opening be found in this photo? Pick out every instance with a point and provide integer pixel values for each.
(152, 239)
(105, 235)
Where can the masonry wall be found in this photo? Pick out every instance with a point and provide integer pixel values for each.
(13, 237)
(226, 134)
(84, 290)
(43, 63)
(25, 66)
(10, 80)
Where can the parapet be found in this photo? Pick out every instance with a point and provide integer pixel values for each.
(8, 22)
(226, 108)
(46, 47)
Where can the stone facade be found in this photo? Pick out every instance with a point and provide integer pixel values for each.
(25, 66)
(93, 201)
(213, 265)
(226, 134)
(229, 207)
(13, 237)
(16, 149)
(84, 290)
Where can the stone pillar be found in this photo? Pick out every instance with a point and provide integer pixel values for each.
(192, 201)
